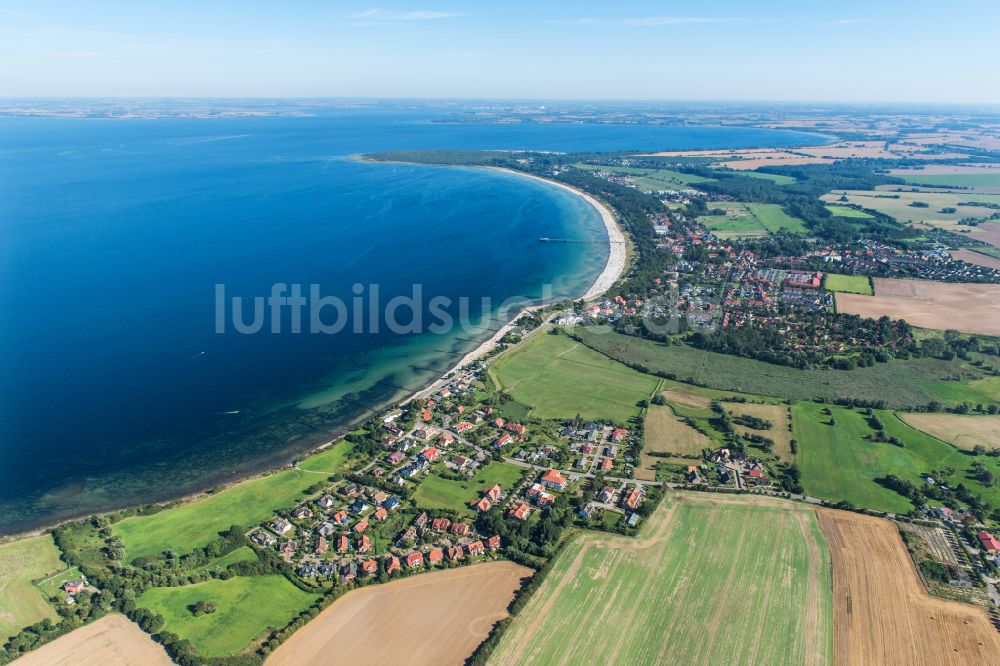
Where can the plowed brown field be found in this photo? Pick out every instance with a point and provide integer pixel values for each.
(883, 615)
(434, 618)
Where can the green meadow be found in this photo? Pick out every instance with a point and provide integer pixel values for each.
(245, 608)
(750, 220)
(774, 177)
(847, 211)
(966, 180)
(193, 524)
(435, 492)
(560, 378)
(909, 383)
(743, 571)
(21, 602)
(850, 284)
(838, 462)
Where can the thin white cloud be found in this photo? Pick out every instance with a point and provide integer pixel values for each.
(385, 15)
(647, 21)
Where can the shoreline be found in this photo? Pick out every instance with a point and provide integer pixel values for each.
(613, 269)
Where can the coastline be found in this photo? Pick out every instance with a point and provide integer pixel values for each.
(613, 269)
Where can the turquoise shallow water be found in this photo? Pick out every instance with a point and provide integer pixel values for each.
(115, 387)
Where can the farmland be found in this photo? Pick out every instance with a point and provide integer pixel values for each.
(851, 284)
(839, 463)
(435, 492)
(669, 595)
(962, 430)
(773, 177)
(435, 618)
(848, 212)
(882, 614)
(112, 639)
(898, 205)
(899, 383)
(749, 220)
(665, 433)
(971, 308)
(195, 523)
(246, 607)
(21, 562)
(561, 378)
(985, 177)
(780, 432)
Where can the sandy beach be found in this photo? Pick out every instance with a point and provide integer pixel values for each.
(613, 270)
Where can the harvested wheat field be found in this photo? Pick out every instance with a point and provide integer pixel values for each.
(687, 399)
(780, 432)
(665, 433)
(970, 308)
(883, 615)
(973, 257)
(432, 618)
(111, 640)
(962, 430)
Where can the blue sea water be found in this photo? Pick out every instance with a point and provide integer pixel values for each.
(115, 387)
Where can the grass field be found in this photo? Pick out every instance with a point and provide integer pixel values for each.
(749, 220)
(561, 378)
(707, 582)
(246, 606)
(899, 383)
(962, 430)
(651, 180)
(193, 524)
(21, 562)
(241, 554)
(780, 432)
(852, 284)
(847, 211)
(437, 493)
(665, 433)
(774, 177)
(837, 463)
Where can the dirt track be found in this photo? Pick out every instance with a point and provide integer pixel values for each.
(970, 308)
(435, 618)
(111, 640)
(883, 615)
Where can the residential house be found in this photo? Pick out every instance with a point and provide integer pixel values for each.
(348, 572)
(521, 511)
(361, 526)
(381, 514)
(456, 553)
(429, 454)
(326, 529)
(391, 564)
(364, 544)
(435, 556)
(459, 529)
(326, 502)
(280, 526)
(476, 548)
(463, 426)
(302, 512)
(440, 524)
(359, 506)
(493, 542)
(342, 544)
(341, 517)
(503, 440)
(481, 505)
(321, 546)
(414, 559)
(493, 494)
(369, 567)
(989, 542)
(554, 480)
(516, 428)
(75, 586)
(262, 538)
(619, 434)
(391, 504)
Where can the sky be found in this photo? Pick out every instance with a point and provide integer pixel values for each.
(801, 50)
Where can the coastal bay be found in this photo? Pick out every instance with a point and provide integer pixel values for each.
(124, 394)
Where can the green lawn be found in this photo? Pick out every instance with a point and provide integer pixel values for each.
(21, 562)
(743, 571)
(241, 554)
(851, 284)
(838, 463)
(246, 607)
(777, 178)
(750, 220)
(561, 378)
(900, 383)
(847, 211)
(437, 493)
(193, 524)
(773, 218)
